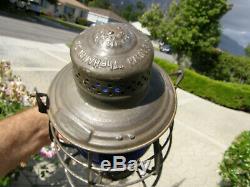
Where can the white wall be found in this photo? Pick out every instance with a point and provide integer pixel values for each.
(77, 12)
(93, 17)
(60, 10)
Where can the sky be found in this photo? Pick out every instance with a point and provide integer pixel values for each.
(236, 23)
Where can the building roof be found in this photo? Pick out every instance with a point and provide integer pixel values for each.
(107, 13)
(74, 3)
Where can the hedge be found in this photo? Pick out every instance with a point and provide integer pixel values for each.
(231, 95)
(67, 24)
(81, 21)
(232, 68)
(235, 166)
(223, 66)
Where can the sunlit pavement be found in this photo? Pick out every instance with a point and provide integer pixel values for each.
(202, 132)
(35, 62)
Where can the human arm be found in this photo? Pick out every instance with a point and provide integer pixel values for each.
(21, 136)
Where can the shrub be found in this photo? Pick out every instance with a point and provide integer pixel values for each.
(223, 66)
(235, 166)
(231, 95)
(81, 21)
(9, 108)
(232, 68)
(247, 50)
(66, 23)
(203, 61)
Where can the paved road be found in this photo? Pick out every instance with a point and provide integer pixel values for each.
(34, 31)
(29, 30)
(168, 57)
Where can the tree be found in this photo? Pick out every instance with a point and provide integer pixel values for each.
(132, 13)
(152, 19)
(192, 26)
(247, 50)
(140, 5)
(99, 3)
(54, 2)
(86, 2)
(127, 11)
(140, 9)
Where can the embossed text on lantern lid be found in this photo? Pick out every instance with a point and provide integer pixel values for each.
(113, 37)
(112, 47)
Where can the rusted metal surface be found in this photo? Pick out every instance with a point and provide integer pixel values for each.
(111, 99)
(112, 62)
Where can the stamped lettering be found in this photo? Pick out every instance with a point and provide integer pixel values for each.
(94, 61)
(139, 54)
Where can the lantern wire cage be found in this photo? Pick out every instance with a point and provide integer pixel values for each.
(93, 175)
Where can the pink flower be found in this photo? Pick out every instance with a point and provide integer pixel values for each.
(8, 91)
(48, 151)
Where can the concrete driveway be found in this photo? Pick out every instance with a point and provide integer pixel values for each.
(35, 62)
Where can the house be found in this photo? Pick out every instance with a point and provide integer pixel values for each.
(69, 9)
(73, 9)
(99, 15)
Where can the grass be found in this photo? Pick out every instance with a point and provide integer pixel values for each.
(67, 24)
(231, 95)
(235, 166)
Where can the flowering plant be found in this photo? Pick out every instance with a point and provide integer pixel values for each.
(13, 97)
(12, 89)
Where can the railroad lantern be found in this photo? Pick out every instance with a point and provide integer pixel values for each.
(112, 101)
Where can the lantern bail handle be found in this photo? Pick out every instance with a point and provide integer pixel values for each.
(180, 75)
(42, 100)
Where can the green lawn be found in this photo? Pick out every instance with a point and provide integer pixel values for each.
(231, 95)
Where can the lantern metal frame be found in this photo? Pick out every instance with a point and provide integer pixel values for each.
(141, 115)
(91, 168)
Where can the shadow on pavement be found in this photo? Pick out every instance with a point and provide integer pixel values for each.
(179, 183)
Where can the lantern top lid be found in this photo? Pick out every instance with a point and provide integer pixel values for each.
(112, 51)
